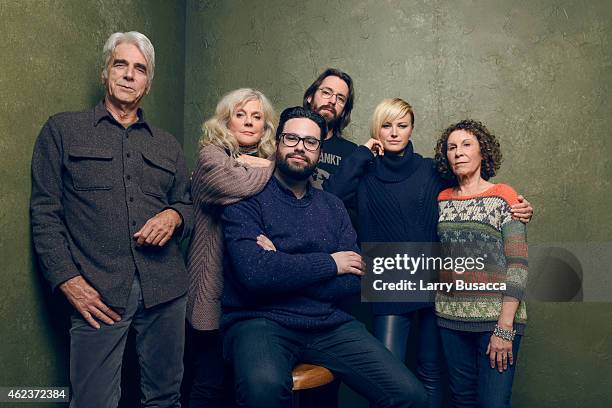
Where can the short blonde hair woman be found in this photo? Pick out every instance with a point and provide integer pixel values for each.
(389, 109)
(234, 163)
(395, 190)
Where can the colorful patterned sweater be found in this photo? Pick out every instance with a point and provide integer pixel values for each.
(482, 226)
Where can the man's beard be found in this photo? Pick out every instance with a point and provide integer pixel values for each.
(333, 121)
(294, 172)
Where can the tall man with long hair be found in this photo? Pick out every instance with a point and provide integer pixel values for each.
(332, 96)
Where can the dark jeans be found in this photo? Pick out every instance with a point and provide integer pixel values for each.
(208, 388)
(394, 330)
(473, 382)
(96, 355)
(263, 354)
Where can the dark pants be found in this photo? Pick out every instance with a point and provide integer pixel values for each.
(263, 354)
(394, 330)
(208, 388)
(96, 355)
(473, 382)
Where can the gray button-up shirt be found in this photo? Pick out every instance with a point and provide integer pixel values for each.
(94, 184)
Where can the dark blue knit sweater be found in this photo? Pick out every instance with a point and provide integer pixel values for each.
(298, 285)
(396, 202)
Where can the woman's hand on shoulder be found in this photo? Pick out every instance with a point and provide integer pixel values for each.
(375, 146)
(522, 211)
(253, 161)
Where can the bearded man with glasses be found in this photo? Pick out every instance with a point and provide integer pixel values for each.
(331, 95)
(291, 258)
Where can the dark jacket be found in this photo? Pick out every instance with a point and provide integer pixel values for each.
(94, 184)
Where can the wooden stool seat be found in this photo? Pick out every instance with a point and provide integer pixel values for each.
(307, 376)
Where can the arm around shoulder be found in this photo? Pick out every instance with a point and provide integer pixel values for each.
(220, 179)
(343, 184)
(514, 234)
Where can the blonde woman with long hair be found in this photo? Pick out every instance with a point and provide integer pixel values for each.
(234, 162)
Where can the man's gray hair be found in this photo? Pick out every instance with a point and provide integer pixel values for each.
(135, 38)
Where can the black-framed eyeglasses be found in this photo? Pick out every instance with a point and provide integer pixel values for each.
(327, 93)
(311, 143)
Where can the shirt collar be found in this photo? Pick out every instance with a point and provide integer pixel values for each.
(100, 112)
(289, 193)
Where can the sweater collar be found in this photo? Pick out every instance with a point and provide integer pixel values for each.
(287, 193)
(394, 168)
(250, 150)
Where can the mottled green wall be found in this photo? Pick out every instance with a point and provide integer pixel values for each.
(536, 72)
(51, 62)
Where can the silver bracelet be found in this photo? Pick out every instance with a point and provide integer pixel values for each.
(506, 334)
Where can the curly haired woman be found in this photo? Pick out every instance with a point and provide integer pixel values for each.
(483, 318)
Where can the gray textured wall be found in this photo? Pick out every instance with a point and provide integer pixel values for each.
(538, 73)
(51, 62)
